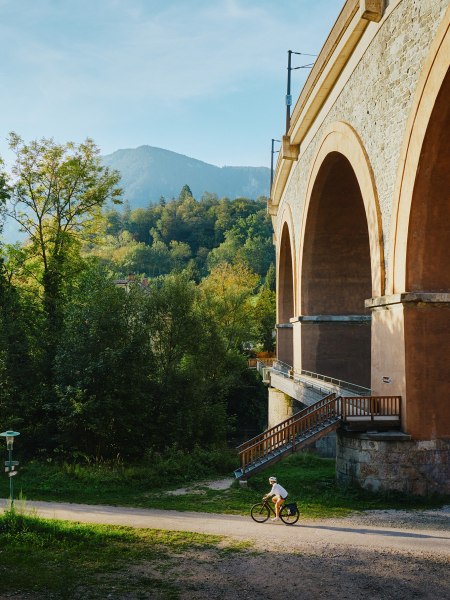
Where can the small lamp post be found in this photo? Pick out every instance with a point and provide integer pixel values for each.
(10, 465)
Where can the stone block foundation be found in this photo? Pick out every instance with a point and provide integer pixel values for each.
(392, 461)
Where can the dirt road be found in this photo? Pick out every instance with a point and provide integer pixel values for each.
(377, 555)
(359, 532)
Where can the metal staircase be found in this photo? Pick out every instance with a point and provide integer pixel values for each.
(313, 422)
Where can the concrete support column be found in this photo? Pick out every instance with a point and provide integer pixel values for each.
(388, 352)
(285, 347)
(411, 358)
(281, 407)
(297, 344)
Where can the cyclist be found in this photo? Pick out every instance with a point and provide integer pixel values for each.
(279, 496)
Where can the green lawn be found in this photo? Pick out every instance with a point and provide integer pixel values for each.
(56, 559)
(309, 480)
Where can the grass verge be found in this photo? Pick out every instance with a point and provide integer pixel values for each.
(309, 480)
(56, 559)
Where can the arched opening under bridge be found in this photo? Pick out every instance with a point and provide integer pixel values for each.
(427, 323)
(336, 276)
(285, 297)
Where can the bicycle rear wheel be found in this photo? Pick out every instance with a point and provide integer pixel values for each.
(287, 517)
(260, 512)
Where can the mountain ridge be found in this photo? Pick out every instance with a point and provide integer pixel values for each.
(149, 172)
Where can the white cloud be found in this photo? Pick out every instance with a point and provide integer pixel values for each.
(183, 50)
(78, 67)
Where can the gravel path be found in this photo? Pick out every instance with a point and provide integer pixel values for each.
(417, 531)
(377, 554)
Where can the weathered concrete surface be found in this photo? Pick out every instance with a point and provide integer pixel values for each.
(392, 461)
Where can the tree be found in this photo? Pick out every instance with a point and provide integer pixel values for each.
(185, 193)
(103, 370)
(227, 293)
(57, 192)
(187, 354)
(248, 239)
(180, 253)
(264, 317)
(4, 193)
(20, 381)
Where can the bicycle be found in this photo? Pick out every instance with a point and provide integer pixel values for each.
(261, 511)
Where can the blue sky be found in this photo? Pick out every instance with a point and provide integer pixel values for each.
(205, 78)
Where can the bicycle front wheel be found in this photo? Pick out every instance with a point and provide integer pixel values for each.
(260, 512)
(287, 517)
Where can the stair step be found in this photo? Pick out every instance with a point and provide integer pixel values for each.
(277, 452)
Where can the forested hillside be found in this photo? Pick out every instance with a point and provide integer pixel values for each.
(148, 173)
(91, 369)
(184, 233)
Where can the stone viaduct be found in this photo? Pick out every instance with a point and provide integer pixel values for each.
(360, 205)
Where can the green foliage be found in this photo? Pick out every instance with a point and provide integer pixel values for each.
(21, 386)
(102, 355)
(227, 294)
(4, 193)
(264, 319)
(185, 193)
(310, 481)
(90, 370)
(118, 482)
(210, 232)
(56, 196)
(124, 369)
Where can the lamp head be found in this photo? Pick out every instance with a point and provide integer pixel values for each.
(9, 435)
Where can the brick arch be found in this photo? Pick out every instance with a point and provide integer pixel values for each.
(286, 286)
(420, 248)
(341, 138)
(340, 263)
(425, 120)
(286, 231)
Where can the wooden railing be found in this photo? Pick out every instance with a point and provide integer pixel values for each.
(253, 362)
(328, 409)
(280, 426)
(371, 407)
(275, 437)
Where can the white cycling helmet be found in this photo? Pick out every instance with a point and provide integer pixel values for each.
(272, 479)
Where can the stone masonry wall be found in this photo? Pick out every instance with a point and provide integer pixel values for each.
(376, 102)
(393, 462)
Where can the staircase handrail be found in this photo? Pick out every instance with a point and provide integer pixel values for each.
(346, 385)
(331, 408)
(286, 422)
(285, 369)
(275, 439)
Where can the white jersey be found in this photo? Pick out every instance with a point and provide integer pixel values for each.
(278, 490)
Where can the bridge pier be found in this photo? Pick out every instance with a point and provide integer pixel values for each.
(392, 461)
(411, 333)
(281, 407)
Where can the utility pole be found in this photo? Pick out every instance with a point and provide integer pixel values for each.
(271, 164)
(288, 90)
